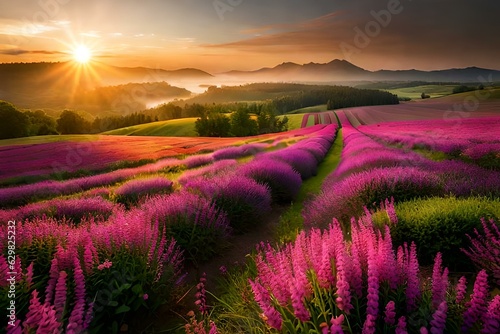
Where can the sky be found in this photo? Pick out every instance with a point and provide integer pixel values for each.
(222, 35)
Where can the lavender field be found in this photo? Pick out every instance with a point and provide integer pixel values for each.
(395, 231)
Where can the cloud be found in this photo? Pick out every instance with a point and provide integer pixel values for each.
(18, 52)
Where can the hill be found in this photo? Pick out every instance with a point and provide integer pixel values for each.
(61, 85)
(183, 127)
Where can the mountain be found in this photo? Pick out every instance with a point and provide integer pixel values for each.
(344, 71)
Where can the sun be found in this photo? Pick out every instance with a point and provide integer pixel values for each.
(82, 54)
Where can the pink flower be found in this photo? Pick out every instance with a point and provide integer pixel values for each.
(271, 315)
(439, 282)
(390, 313)
(60, 298)
(145, 296)
(105, 265)
(461, 289)
(412, 271)
(401, 328)
(476, 307)
(438, 322)
(29, 275)
(336, 327)
(492, 317)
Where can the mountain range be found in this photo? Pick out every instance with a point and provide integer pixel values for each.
(342, 70)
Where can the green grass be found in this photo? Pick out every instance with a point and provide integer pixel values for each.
(440, 225)
(183, 127)
(318, 108)
(294, 121)
(291, 221)
(46, 139)
(415, 92)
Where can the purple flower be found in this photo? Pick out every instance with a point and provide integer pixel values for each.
(476, 307)
(492, 318)
(412, 272)
(461, 289)
(60, 295)
(439, 282)
(390, 313)
(401, 327)
(282, 180)
(438, 322)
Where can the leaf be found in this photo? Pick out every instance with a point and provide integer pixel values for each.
(137, 289)
(122, 309)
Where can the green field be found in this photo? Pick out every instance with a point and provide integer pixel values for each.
(318, 108)
(415, 92)
(183, 127)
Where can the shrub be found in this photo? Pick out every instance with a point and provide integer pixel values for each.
(302, 161)
(200, 228)
(282, 180)
(72, 210)
(217, 168)
(441, 225)
(347, 197)
(198, 160)
(243, 199)
(131, 191)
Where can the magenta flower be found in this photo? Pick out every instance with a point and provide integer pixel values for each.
(401, 327)
(271, 315)
(29, 275)
(439, 282)
(336, 325)
(476, 307)
(492, 318)
(145, 296)
(60, 296)
(105, 265)
(438, 322)
(461, 289)
(390, 313)
(413, 283)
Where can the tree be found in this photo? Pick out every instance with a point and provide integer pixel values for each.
(213, 125)
(268, 122)
(241, 123)
(41, 124)
(71, 123)
(13, 123)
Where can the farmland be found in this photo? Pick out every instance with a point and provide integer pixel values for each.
(110, 227)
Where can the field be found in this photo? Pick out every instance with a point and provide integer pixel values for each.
(172, 128)
(387, 224)
(415, 93)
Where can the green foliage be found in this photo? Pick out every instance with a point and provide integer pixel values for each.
(13, 123)
(213, 125)
(41, 123)
(463, 89)
(129, 286)
(268, 122)
(441, 224)
(71, 122)
(242, 125)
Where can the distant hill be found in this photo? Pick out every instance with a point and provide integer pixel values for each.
(342, 70)
(61, 85)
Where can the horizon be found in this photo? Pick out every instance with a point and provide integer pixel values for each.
(250, 70)
(222, 35)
